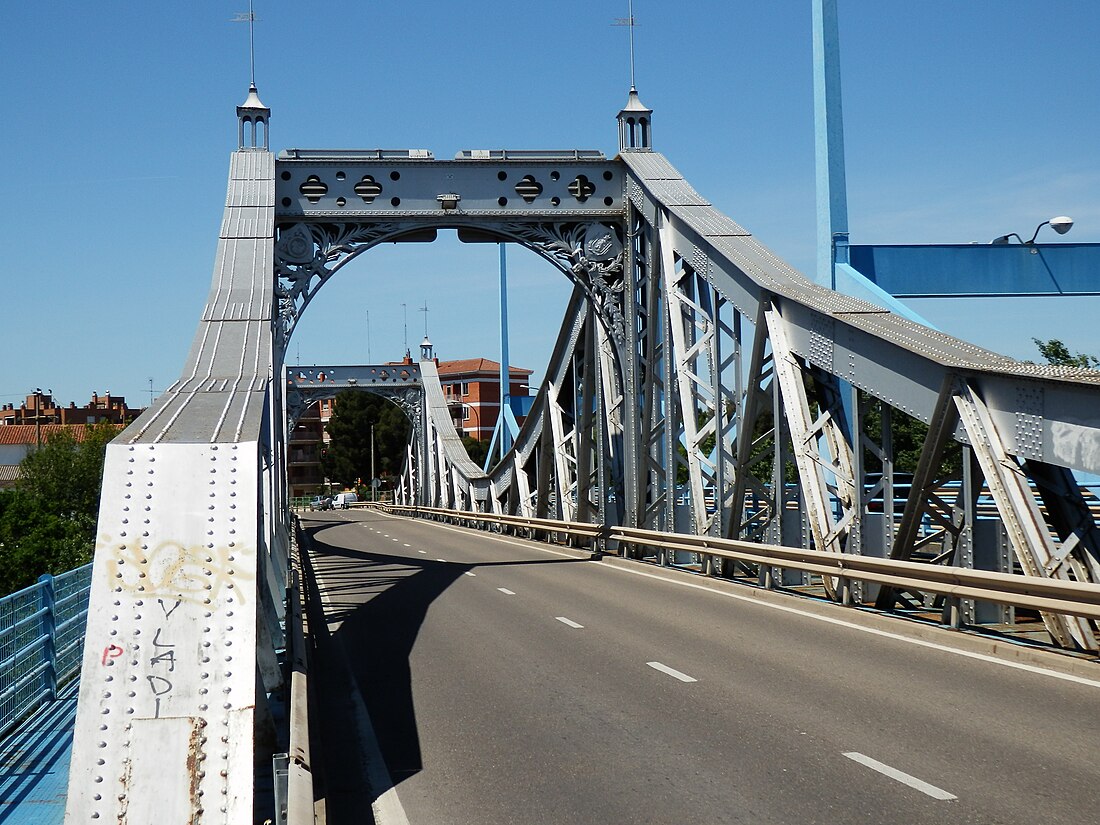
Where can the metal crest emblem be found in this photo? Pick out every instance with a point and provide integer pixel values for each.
(295, 245)
(601, 243)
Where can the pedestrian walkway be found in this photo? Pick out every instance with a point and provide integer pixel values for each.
(34, 763)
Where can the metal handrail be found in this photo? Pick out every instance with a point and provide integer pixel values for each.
(1054, 595)
(39, 649)
(573, 529)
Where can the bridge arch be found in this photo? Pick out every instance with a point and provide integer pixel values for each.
(308, 255)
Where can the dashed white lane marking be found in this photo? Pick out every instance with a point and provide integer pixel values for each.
(675, 674)
(900, 776)
(422, 552)
(406, 545)
(795, 611)
(506, 591)
(468, 573)
(442, 560)
(569, 622)
(804, 614)
(398, 540)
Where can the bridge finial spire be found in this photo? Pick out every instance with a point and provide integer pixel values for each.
(252, 121)
(635, 125)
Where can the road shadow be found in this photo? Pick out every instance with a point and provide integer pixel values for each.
(374, 606)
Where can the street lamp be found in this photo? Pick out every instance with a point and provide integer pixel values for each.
(38, 413)
(1061, 224)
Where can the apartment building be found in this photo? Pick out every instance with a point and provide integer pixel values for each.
(472, 389)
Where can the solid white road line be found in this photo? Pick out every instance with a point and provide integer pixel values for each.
(569, 622)
(900, 776)
(506, 591)
(675, 674)
(874, 631)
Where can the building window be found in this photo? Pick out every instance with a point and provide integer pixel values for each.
(464, 387)
(466, 412)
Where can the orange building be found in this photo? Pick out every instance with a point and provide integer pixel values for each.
(472, 389)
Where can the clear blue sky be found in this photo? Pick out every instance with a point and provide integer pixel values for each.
(963, 121)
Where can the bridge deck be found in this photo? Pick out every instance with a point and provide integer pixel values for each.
(34, 764)
(509, 682)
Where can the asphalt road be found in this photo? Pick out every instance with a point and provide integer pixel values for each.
(510, 682)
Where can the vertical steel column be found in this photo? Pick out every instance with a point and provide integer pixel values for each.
(586, 417)
(633, 461)
(668, 412)
(832, 199)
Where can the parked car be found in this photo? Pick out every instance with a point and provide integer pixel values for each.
(340, 501)
(320, 503)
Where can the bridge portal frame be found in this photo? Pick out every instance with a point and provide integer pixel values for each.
(654, 398)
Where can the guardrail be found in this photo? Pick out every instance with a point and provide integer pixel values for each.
(571, 530)
(41, 642)
(293, 774)
(955, 583)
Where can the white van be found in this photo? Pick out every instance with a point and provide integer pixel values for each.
(340, 501)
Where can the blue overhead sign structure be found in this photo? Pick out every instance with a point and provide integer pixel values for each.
(934, 270)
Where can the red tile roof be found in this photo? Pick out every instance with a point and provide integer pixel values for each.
(28, 433)
(476, 365)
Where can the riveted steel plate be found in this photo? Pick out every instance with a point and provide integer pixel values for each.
(169, 655)
(708, 221)
(822, 332)
(1029, 422)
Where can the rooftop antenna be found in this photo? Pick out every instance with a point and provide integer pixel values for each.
(405, 316)
(631, 22)
(249, 17)
(424, 309)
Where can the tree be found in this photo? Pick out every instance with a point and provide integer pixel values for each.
(476, 450)
(48, 521)
(1057, 354)
(908, 435)
(348, 456)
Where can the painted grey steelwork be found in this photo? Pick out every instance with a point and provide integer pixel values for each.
(698, 385)
(305, 386)
(400, 383)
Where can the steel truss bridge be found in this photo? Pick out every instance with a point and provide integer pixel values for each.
(698, 385)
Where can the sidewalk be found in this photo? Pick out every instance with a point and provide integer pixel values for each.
(34, 763)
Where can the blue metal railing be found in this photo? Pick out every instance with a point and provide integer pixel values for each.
(41, 642)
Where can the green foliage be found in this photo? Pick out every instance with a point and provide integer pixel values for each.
(908, 435)
(1057, 354)
(348, 457)
(48, 521)
(476, 450)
